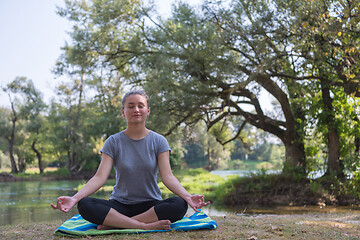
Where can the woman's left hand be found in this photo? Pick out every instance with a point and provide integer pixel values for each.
(197, 202)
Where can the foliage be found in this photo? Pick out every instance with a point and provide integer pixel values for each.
(26, 123)
(60, 172)
(205, 70)
(279, 189)
(196, 181)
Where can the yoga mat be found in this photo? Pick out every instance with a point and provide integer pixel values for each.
(77, 226)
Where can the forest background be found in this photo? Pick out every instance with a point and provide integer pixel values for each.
(205, 70)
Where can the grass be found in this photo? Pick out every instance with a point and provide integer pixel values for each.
(196, 181)
(32, 170)
(33, 173)
(232, 226)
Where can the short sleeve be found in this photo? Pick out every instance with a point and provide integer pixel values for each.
(109, 147)
(163, 145)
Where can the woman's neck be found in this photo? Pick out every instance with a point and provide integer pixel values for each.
(136, 133)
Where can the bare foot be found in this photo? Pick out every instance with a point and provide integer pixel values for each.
(159, 225)
(102, 227)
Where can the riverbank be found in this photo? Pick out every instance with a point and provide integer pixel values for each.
(260, 189)
(50, 174)
(232, 226)
(282, 190)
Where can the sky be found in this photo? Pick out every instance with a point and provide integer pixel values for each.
(31, 37)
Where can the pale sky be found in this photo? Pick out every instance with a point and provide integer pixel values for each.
(31, 37)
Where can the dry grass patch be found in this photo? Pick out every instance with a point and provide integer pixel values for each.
(299, 226)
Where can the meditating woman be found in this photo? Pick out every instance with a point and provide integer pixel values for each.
(137, 155)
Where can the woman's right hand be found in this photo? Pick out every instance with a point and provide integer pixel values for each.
(64, 203)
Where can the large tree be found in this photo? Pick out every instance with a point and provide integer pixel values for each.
(209, 67)
(209, 72)
(215, 63)
(325, 36)
(197, 69)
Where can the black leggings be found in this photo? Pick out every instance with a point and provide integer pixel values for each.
(95, 210)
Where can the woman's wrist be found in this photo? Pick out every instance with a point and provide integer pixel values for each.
(187, 198)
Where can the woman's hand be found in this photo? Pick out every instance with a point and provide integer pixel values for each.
(196, 202)
(64, 204)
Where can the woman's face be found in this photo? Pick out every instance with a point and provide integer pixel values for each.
(135, 109)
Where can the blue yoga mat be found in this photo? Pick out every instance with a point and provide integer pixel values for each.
(77, 226)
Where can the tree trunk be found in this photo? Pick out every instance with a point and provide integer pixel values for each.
(294, 158)
(73, 128)
(12, 139)
(357, 140)
(334, 165)
(294, 140)
(38, 155)
(21, 164)
(12, 159)
(357, 146)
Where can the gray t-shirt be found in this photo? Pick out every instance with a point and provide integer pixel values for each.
(136, 166)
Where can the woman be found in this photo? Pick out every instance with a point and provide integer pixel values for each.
(137, 155)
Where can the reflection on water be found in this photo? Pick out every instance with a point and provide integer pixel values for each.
(30, 202)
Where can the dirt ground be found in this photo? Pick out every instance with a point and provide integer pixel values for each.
(345, 225)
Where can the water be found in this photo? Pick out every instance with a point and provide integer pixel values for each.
(29, 201)
(245, 173)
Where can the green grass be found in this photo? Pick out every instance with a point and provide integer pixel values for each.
(196, 181)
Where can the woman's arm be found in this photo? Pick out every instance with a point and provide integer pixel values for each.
(171, 182)
(65, 203)
(98, 180)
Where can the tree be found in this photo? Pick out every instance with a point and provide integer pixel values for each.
(211, 64)
(204, 147)
(29, 110)
(206, 71)
(302, 52)
(95, 22)
(326, 39)
(6, 133)
(188, 66)
(9, 133)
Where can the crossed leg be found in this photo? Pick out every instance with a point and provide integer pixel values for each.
(147, 221)
(110, 214)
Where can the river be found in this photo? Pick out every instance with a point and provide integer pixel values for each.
(29, 201)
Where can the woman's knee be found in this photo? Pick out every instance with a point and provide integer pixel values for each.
(93, 210)
(182, 206)
(172, 209)
(84, 205)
